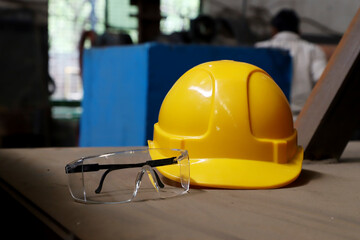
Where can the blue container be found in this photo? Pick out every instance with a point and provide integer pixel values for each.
(124, 86)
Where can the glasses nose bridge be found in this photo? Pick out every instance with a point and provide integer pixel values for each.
(146, 170)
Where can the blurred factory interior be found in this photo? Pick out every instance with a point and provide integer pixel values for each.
(43, 41)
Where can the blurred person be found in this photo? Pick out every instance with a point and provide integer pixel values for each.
(309, 60)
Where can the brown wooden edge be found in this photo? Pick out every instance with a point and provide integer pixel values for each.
(332, 111)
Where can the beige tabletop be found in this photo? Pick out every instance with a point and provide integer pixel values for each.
(323, 203)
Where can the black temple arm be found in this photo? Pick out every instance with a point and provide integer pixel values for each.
(98, 189)
(161, 162)
(71, 168)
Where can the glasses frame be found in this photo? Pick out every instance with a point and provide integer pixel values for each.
(78, 166)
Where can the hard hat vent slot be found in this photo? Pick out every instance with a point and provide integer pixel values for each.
(269, 111)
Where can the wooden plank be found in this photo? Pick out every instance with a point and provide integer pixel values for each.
(302, 210)
(332, 111)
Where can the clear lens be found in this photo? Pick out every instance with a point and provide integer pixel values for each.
(128, 175)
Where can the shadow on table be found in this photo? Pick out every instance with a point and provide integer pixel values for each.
(304, 178)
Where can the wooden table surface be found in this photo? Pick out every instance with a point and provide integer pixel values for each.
(323, 203)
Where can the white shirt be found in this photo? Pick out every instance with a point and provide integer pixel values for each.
(309, 61)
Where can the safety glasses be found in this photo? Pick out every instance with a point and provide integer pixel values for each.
(131, 175)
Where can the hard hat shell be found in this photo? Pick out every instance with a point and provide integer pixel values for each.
(235, 123)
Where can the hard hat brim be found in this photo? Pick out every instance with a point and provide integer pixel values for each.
(238, 173)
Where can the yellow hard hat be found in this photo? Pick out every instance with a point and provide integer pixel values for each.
(235, 123)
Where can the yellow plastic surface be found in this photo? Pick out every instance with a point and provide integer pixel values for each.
(235, 123)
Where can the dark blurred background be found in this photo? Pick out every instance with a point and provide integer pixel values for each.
(42, 44)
